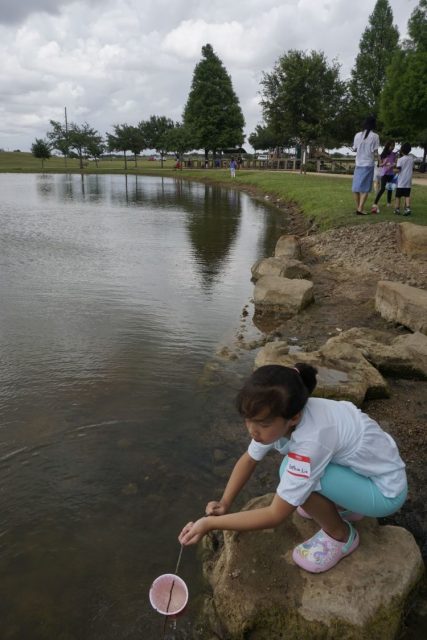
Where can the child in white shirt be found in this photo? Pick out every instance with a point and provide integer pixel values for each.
(405, 168)
(334, 455)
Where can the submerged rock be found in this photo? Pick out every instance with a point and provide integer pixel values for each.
(259, 593)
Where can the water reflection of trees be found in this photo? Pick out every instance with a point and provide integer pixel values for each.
(212, 214)
(75, 187)
(271, 231)
(212, 222)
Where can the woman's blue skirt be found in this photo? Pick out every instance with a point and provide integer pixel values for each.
(362, 179)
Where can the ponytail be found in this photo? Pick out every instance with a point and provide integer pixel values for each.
(308, 375)
(369, 125)
(283, 390)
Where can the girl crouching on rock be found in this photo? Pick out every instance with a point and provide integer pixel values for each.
(334, 455)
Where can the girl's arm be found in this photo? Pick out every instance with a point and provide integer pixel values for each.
(264, 518)
(242, 471)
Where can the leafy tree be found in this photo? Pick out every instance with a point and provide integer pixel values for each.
(81, 139)
(154, 132)
(212, 110)
(76, 138)
(377, 45)
(41, 149)
(95, 150)
(264, 138)
(302, 97)
(404, 98)
(58, 137)
(417, 27)
(179, 140)
(126, 138)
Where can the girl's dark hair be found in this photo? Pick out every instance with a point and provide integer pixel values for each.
(405, 148)
(389, 145)
(283, 390)
(369, 125)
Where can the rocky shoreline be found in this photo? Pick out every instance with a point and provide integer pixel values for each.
(346, 265)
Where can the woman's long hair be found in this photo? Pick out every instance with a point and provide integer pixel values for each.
(369, 125)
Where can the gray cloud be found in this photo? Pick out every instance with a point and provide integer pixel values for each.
(16, 12)
(113, 61)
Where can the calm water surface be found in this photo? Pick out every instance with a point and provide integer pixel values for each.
(115, 295)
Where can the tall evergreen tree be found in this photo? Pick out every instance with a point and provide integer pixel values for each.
(404, 99)
(417, 27)
(213, 111)
(377, 45)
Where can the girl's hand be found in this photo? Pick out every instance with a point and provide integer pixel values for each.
(193, 532)
(215, 508)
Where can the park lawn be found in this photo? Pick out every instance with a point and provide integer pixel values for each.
(22, 161)
(327, 200)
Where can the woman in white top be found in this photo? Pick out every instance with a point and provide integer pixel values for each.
(334, 455)
(366, 145)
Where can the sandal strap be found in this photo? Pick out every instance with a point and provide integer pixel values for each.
(351, 537)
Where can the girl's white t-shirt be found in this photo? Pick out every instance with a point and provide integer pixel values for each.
(338, 432)
(365, 148)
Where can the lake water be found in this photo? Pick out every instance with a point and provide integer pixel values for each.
(115, 295)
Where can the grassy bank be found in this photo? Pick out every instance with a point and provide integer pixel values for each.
(326, 199)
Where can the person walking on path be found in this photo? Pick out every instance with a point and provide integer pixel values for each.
(405, 168)
(334, 454)
(233, 166)
(387, 161)
(366, 145)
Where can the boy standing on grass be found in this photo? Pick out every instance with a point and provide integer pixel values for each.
(405, 168)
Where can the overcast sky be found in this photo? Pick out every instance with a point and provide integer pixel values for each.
(115, 61)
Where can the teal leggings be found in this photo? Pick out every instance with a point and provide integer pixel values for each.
(355, 492)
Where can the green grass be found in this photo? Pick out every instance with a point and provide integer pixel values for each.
(326, 200)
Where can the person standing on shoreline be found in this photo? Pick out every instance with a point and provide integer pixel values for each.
(233, 166)
(366, 145)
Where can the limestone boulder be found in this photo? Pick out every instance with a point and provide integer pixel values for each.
(343, 371)
(401, 303)
(403, 356)
(288, 246)
(283, 295)
(283, 267)
(412, 240)
(259, 593)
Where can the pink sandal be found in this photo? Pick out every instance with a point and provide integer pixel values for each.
(350, 516)
(321, 552)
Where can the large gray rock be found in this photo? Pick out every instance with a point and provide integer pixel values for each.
(289, 247)
(343, 371)
(259, 593)
(412, 240)
(401, 303)
(283, 295)
(403, 356)
(284, 267)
